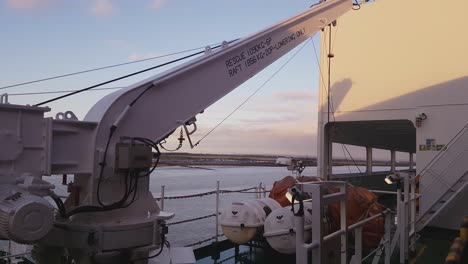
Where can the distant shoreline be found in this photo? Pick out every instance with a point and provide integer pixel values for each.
(194, 159)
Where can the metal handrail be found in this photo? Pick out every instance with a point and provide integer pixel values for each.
(15, 255)
(355, 225)
(447, 147)
(367, 220)
(258, 190)
(383, 192)
(318, 201)
(438, 176)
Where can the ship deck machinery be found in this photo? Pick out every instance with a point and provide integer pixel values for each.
(111, 216)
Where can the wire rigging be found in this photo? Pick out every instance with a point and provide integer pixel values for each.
(331, 101)
(102, 68)
(125, 76)
(64, 91)
(254, 93)
(343, 146)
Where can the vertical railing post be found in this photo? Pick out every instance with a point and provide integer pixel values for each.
(162, 198)
(8, 260)
(388, 237)
(264, 191)
(358, 245)
(217, 211)
(411, 160)
(344, 227)
(392, 161)
(399, 230)
(317, 218)
(407, 215)
(301, 252)
(412, 208)
(399, 214)
(368, 160)
(401, 225)
(259, 195)
(404, 221)
(398, 201)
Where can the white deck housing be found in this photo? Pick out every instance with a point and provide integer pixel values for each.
(393, 61)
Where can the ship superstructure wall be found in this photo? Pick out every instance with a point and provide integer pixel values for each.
(397, 60)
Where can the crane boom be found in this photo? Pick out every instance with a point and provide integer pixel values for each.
(175, 96)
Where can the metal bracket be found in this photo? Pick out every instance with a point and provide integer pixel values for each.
(190, 122)
(323, 22)
(208, 50)
(68, 115)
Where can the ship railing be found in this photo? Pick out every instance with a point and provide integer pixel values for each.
(385, 244)
(9, 257)
(316, 192)
(440, 169)
(259, 191)
(446, 147)
(407, 201)
(400, 232)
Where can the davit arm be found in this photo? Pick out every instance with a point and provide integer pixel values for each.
(108, 152)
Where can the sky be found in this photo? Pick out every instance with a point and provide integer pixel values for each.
(43, 38)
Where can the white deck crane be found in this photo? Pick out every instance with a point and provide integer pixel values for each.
(110, 215)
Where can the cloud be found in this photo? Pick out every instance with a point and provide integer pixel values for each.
(270, 119)
(139, 56)
(102, 8)
(265, 140)
(158, 4)
(28, 5)
(268, 124)
(264, 133)
(301, 95)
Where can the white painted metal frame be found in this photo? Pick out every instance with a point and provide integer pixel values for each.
(217, 212)
(405, 234)
(358, 227)
(319, 200)
(448, 174)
